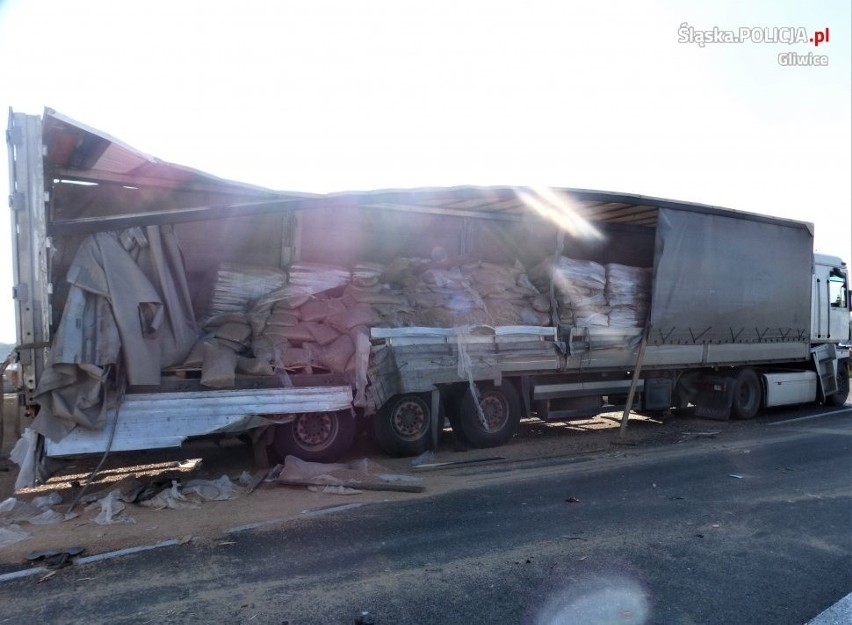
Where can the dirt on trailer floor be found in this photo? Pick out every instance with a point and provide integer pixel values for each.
(272, 503)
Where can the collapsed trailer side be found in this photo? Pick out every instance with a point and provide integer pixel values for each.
(69, 181)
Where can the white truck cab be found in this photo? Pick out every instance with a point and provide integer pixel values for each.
(830, 319)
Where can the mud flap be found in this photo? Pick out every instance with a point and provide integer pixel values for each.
(825, 362)
(715, 398)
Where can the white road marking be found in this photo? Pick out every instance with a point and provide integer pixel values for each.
(813, 416)
(838, 614)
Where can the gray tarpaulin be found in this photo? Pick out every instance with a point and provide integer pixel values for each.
(725, 280)
(128, 303)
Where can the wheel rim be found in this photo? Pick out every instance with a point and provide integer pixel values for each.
(410, 419)
(495, 411)
(315, 431)
(746, 396)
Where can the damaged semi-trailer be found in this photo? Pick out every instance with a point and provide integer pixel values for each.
(157, 303)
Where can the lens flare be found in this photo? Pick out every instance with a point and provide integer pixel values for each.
(596, 601)
(560, 210)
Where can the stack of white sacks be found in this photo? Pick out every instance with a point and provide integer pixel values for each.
(320, 318)
(628, 294)
(477, 293)
(590, 295)
(579, 287)
(237, 284)
(315, 319)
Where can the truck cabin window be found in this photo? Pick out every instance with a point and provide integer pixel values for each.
(837, 293)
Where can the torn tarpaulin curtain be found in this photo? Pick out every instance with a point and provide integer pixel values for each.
(129, 300)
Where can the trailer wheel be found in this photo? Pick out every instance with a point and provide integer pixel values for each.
(842, 394)
(403, 425)
(316, 436)
(499, 419)
(747, 394)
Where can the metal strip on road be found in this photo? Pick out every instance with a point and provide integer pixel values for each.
(332, 509)
(7, 577)
(126, 552)
(838, 614)
(89, 559)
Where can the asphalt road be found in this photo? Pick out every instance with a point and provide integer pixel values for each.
(755, 528)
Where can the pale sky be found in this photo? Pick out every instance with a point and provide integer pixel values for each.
(336, 95)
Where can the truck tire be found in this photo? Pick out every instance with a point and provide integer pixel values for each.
(316, 436)
(842, 394)
(452, 397)
(501, 408)
(403, 425)
(747, 394)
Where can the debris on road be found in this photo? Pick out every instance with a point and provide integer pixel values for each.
(426, 458)
(56, 559)
(12, 534)
(398, 477)
(255, 481)
(37, 512)
(333, 489)
(690, 435)
(364, 619)
(113, 504)
(341, 479)
(46, 501)
(172, 498)
(35, 556)
(111, 507)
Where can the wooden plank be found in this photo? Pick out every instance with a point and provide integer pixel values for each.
(633, 384)
(433, 466)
